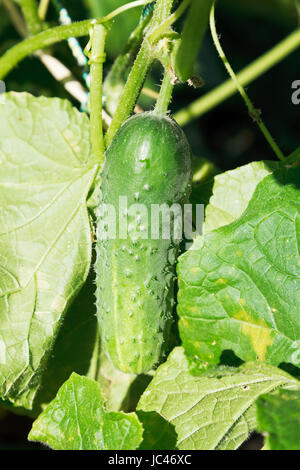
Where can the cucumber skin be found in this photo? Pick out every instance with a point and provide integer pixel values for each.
(149, 161)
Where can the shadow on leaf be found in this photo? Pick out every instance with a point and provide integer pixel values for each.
(159, 434)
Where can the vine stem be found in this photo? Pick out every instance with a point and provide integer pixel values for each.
(97, 58)
(244, 77)
(254, 113)
(52, 36)
(165, 96)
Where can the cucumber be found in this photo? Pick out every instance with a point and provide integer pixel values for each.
(148, 162)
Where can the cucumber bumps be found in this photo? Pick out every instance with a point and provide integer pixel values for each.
(148, 164)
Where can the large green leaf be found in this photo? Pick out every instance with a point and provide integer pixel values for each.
(214, 410)
(240, 284)
(278, 417)
(77, 420)
(47, 169)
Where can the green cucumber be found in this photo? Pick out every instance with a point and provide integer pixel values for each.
(148, 162)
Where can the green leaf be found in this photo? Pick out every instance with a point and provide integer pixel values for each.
(76, 347)
(76, 420)
(47, 169)
(232, 192)
(213, 411)
(278, 416)
(239, 286)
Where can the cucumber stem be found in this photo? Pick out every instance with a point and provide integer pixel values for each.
(165, 95)
(97, 58)
(253, 112)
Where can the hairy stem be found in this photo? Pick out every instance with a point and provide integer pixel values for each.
(250, 73)
(97, 58)
(131, 91)
(165, 95)
(162, 27)
(42, 40)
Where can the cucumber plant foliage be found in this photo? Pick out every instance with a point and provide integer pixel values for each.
(119, 343)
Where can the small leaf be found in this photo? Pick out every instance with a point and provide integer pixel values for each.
(239, 285)
(47, 169)
(77, 420)
(278, 416)
(213, 411)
